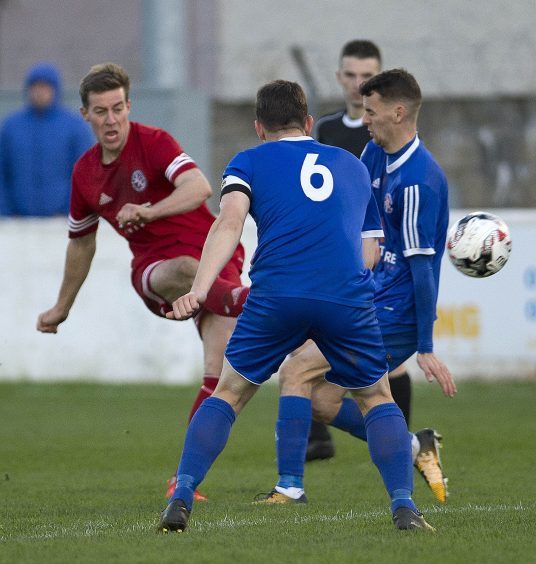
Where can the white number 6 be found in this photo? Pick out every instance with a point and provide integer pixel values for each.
(309, 168)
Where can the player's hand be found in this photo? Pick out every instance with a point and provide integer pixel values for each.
(434, 368)
(132, 217)
(48, 321)
(186, 306)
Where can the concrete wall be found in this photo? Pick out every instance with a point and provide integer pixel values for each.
(455, 48)
(487, 147)
(230, 47)
(74, 34)
(486, 328)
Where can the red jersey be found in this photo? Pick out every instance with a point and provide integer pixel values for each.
(143, 173)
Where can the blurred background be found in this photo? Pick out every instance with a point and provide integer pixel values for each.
(195, 66)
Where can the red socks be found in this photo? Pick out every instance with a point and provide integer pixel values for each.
(209, 385)
(226, 298)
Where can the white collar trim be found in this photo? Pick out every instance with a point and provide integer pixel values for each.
(404, 157)
(349, 122)
(297, 138)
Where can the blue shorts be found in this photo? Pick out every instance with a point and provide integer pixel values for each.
(269, 329)
(399, 347)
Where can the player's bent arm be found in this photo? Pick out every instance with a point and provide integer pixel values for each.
(80, 252)
(191, 190)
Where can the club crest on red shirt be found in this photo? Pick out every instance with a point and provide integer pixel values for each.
(138, 181)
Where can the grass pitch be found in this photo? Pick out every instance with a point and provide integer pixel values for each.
(83, 470)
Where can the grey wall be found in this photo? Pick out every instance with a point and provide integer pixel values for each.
(486, 146)
(454, 47)
(230, 47)
(74, 34)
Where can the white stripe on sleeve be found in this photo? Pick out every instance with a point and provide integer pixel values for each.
(176, 164)
(372, 233)
(77, 225)
(410, 217)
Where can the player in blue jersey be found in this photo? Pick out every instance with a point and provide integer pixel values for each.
(411, 191)
(311, 203)
(359, 60)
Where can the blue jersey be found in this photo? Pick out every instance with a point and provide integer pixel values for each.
(412, 195)
(312, 204)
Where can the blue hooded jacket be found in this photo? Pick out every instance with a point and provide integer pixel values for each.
(38, 149)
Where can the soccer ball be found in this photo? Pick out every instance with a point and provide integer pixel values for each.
(479, 244)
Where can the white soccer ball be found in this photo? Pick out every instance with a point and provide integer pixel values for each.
(479, 244)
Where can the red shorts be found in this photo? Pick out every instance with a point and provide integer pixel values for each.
(142, 269)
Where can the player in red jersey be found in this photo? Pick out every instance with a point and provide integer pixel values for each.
(151, 192)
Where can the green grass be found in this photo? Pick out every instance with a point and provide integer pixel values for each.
(83, 470)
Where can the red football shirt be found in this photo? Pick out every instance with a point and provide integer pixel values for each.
(143, 173)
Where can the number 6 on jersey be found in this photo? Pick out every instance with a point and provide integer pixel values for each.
(309, 167)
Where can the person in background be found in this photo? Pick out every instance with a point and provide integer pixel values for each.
(39, 145)
(359, 60)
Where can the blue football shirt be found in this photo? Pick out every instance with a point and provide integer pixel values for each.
(412, 196)
(312, 204)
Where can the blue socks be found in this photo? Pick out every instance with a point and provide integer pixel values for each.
(389, 445)
(292, 432)
(386, 433)
(349, 419)
(206, 437)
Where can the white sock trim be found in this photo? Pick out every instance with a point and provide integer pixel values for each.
(415, 447)
(293, 493)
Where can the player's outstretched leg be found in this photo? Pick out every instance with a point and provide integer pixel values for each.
(428, 462)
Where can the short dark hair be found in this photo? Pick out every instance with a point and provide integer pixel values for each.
(281, 104)
(361, 49)
(394, 85)
(101, 78)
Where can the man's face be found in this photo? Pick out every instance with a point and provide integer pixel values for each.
(107, 112)
(351, 74)
(41, 94)
(380, 117)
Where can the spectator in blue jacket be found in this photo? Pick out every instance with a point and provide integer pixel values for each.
(39, 145)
